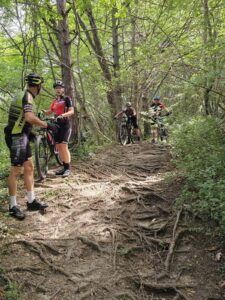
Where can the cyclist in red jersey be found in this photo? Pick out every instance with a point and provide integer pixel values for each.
(155, 110)
(63, 109)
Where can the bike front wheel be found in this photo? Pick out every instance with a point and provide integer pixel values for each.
(55, 153)
(123, 135)
(41, 156)
(163, 134)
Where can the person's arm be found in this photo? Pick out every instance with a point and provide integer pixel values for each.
(32, 119)
(167, 109)
(69, 113)
(29, 116)
(69, 108)
(163, 106)
(134, 111)
(47, 112)
(118, 114)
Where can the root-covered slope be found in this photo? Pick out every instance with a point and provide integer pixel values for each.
(111, 232)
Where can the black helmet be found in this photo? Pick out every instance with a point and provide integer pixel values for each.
(156, 98)
(58, 83)
(33, 79)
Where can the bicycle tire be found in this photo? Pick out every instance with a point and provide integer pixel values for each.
(41, 156)
(163, 134)
(132, 138)
(123, 135)
(55, 153)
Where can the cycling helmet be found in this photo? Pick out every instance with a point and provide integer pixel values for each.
(156, 98)
(58, 83)
(33, 79)
(128, 104)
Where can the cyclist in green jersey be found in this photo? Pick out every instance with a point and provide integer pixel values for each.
(17, 133)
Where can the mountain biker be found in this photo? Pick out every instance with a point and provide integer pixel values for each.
(156, 108)
(17, 135)
(63, 109)
(132, 115)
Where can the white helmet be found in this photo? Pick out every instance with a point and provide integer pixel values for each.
(128, 104)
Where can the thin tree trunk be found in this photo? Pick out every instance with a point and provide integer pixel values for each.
(210, 61)
(63, 36)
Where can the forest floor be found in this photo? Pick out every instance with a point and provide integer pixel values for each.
(111, 232)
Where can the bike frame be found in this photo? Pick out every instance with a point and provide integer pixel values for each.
(125, 130)
(45, 148)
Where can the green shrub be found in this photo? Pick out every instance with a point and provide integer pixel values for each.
(199, 149)
(12, 292)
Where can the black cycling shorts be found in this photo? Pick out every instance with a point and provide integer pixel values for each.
(19, 147)
(134, 121)
(63, 134)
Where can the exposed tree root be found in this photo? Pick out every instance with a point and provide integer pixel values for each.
(164, 287)
(175, 237)
(33, 270)
(37, 249)
(92, 244)
(182, 295)
(125, 295)
(55, 293)
(52, 249)
(87, 295)
(157, 225)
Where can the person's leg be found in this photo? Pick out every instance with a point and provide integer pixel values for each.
(12, 187)
(17, 148)
(12, 184)
(136, 128)
(33, 202)
(138, 133)
(62, 146)
(29, 179)
(64, 153)
(66, 158)
(154, 135)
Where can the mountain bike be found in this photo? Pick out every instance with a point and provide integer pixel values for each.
(158, 123)
(45, 149)
(161, 127)
(126, 131)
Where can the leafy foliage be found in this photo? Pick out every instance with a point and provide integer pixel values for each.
(198, 144)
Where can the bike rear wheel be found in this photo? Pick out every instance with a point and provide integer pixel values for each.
(41, 156)
(123, 135)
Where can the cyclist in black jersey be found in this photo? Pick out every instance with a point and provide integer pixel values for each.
(132, 115)
(17, 134)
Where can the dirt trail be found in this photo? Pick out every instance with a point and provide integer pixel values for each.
(111, 232)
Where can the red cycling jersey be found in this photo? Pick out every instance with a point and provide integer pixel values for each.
(159, 104)
(60, 105)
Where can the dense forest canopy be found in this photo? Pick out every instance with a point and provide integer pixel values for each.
(109, 52)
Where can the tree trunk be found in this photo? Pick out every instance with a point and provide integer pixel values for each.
(63, 36)
(210, 61)
(116, 61)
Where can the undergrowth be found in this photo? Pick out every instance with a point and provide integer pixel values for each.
(198, 145)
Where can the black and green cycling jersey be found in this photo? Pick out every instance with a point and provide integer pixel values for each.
(16, 121)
